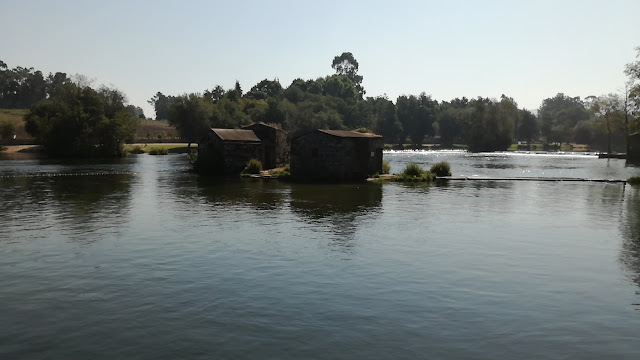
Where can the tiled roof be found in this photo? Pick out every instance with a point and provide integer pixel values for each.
(236, 135)
(349, 134)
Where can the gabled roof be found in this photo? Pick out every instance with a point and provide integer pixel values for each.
(349, 134)
(236, 135)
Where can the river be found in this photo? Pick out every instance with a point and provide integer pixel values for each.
(157, 263)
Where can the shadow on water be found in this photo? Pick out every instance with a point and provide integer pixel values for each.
(630, 229)
(78, 207)
(257, 194)
(337, 209)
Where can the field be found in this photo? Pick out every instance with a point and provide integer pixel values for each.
(15, 117)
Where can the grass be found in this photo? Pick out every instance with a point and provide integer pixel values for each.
(254, 166)
(153, 130)
(414, 173)
(158, 151)
(169, 148)
(386, 168)
(281, 172)
(16, 118)
(441, 169)
(634, 180)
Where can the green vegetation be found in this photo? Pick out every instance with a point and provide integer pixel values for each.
(135, 150)
(82, 122)
(634, 180)
(169, 148)
(158, 151)
(414, 173)
(334, 101)
(441, 169)
(281, 173)
(386, 168)
(254, 166)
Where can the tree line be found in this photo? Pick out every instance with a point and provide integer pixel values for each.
(335, 101)
(338, 101)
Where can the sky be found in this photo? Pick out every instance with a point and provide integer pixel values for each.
(528, 50)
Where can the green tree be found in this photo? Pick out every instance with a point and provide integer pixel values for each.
(80, 121)
(417, 116)
(559, 116)
(608, 110)
(527, 126)
(161, 103)
(346, 64)
(190, 115)
(265, 89)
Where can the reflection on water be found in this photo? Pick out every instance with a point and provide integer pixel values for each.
(336, 209)
(630, 229)
(162, 264)
(79, 207)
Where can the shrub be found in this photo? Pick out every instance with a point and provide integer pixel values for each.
(254, 166)
(441, 169)
(386, 168)
(412, 169)
(158, 151)
(284, 173)
(414, 173)
(634, 180)
(7, 129)
(137, 150)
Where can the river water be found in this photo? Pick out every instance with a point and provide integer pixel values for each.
(161, 264)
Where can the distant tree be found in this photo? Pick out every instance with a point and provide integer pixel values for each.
(558, 117)
(527, 126)
(216, 93)
(609, 115)
(80, 121)
(190, 115)
(346, 64)
(265, 89)
(341, 87)
(417, 116)
(161, 103)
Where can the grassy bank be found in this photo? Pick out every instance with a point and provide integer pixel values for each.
(171, 148)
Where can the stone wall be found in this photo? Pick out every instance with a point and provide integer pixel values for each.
(323, 157)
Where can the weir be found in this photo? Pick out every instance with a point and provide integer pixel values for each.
(99, 173)
(473, 178)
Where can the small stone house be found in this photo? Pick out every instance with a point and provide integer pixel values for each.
(633, 147)
(276, 144)
(335, 155)
(227, 151)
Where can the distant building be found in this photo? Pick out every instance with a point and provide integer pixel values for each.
(227, 151)
(335, 155)
(276, 144)
(633, 147)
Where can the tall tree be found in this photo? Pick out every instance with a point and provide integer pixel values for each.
(190, 114)
(80, 121)
(161, 103)
(609, 114)
(346, 64)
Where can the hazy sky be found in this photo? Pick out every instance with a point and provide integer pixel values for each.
(527, 50)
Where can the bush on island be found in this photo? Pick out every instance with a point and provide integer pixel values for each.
(441, 169)
(386, 168)
(414, 173)
(158, 151)
(137, 150)
(254, 166)
(634, 180)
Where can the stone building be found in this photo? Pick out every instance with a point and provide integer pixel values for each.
(335, 155)
(227, 151)
(276, 144)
